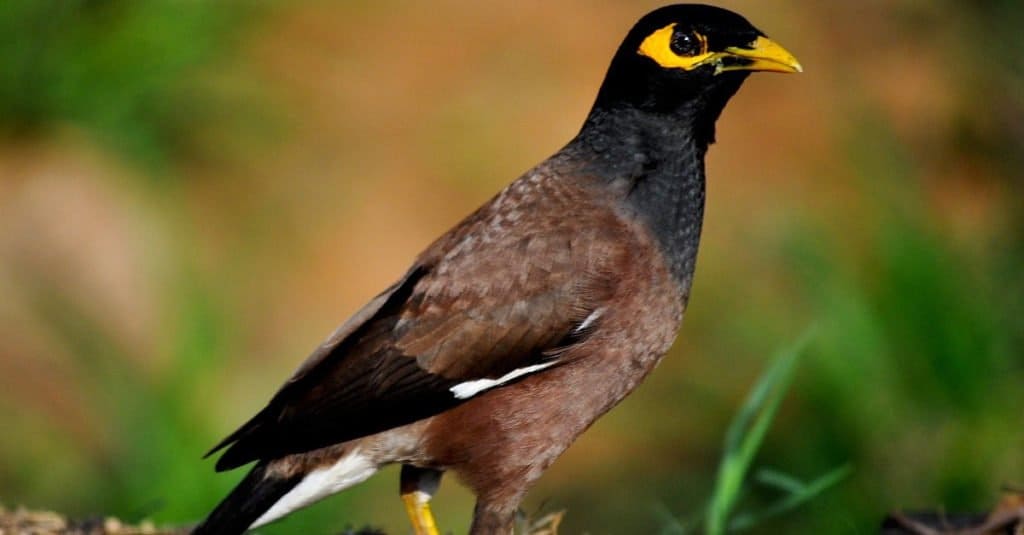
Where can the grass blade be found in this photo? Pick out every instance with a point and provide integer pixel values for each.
(793, 499)
(747, 432)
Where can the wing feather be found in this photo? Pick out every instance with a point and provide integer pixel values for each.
(475, 306)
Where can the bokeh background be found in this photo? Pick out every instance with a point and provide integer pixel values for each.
(193, 194)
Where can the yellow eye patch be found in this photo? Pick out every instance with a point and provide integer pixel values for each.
(658, 46)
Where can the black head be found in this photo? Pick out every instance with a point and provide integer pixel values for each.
(684, 56)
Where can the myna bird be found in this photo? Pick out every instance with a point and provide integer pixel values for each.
(535, 315)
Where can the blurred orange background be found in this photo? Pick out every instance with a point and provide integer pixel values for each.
(193, 195)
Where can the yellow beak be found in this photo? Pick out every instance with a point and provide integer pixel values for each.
(762, 55)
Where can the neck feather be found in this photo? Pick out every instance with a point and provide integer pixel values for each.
(656, 162)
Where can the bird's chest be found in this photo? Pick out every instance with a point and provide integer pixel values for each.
(635, 329)
(522, 427)
(632, 341)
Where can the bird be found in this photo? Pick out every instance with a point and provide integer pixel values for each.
(514, 331)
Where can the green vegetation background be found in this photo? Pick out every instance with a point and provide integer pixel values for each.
(192, 194)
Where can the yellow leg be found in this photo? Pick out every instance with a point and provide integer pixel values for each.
(417, 504)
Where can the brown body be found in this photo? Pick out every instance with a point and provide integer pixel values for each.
(540, 230)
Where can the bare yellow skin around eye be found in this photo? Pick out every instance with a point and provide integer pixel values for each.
(657, 46)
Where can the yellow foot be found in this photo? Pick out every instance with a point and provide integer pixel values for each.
(417, 504)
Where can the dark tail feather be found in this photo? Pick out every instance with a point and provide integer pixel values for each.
(246, 503)
(249, 428)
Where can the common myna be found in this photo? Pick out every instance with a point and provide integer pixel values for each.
(528, 320)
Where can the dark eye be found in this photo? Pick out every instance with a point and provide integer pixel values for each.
(685, 43)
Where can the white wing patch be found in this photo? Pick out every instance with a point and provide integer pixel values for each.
(589, 320)
(319, 484)
(469, 389)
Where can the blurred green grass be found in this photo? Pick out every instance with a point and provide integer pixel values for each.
(122, 70)
(743, 439)
(914, 377)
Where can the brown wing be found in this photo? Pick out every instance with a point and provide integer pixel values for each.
(507, 289)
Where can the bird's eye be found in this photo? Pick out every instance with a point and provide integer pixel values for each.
(686, 43)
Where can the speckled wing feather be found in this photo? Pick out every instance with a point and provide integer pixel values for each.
(506, 289)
